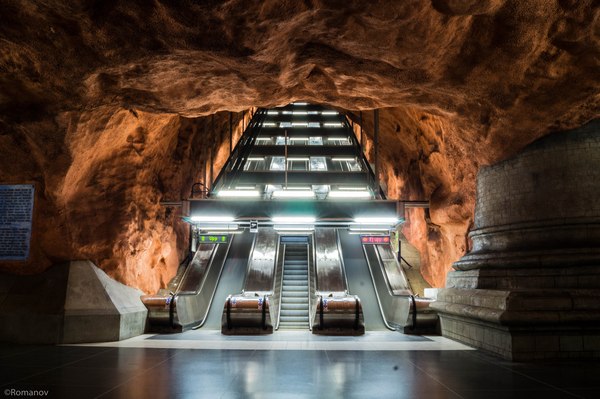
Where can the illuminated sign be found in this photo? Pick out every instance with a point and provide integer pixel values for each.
(366, 239)
(213, 239)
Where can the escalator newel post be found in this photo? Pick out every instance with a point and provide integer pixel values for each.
(414, 313)
(172, 310)
(228, 313)
(356, 314)
(321, 312)
(264, 313)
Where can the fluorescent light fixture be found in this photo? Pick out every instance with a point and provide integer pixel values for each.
(298, 159)
(314, 124)
(339, 159)
(205, 218)
(294, 219)
(298, 188)
(299, 103)
(238, 193)
(286, 112)
(272, 112)
(224, 232)
(377, 220)
(256, 158)
(216, 227)
(363, 229)
(299, 124)
(263, 139)
(272, 124)
(337, 138)
(293, 228)
(293, 194)
(352, 188)
(349, 194)
(333, 124)
(329, 113)
(299, 113)
(297, 138)
(312, 112)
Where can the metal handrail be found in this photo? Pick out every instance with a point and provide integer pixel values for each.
(387, 324)
(280, 285)
(339, 249)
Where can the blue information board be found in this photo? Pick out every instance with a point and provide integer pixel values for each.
(16, 215)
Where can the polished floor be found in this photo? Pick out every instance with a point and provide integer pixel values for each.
(284, 365)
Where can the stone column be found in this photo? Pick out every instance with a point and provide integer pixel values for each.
(530, 288)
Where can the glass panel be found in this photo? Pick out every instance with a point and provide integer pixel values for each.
(277, 163)
(315, 141)
(317, 163)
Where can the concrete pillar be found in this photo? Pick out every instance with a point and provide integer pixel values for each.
(530, 288)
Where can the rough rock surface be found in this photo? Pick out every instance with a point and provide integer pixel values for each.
(103, 105)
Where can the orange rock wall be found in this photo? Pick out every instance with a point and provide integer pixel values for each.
(104, 104)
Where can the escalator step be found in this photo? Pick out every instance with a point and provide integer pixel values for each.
(294, 300)
(295, 294)
(294, 306)
(294, 319)
(294, 313)
(294, 288)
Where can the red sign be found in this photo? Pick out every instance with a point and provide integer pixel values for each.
(374, 239)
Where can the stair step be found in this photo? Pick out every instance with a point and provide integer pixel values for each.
(293, 326)
(294, 312)
(293, 299)
(295, 288)
(293, 319)
(295, 306)
(296, 272)
(292, 277)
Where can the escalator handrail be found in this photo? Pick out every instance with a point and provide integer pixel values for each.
(281, 284)
(212, 296)
(383, 317)
(342, 264)
(385, 276)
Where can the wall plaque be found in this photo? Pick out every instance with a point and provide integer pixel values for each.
(16, 215)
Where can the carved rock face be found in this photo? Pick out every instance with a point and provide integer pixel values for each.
(96, 100)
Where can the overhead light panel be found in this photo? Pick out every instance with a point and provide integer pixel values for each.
(349, 194)
(293, 194)
(269, 124)
(300, 103)
(210, 218)
(329, 113)
(293, 228)
(340, 159)
(333, 124)
(377, 220)
(294, 219)
(272, 112)
(238, 193)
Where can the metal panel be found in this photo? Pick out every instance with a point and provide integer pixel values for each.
(395, 276)
(261, 267)
(330, 275)
(244, 209)
(304, 150)
(303, 177)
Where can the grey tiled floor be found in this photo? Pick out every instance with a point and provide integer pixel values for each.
(113, 372)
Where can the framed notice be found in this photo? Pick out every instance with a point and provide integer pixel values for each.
(16, 215)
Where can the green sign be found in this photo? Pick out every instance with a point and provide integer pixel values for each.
(213, 239)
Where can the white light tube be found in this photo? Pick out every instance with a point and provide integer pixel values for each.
(349, 194)
(352, 188)
(299, 113)
(297, 138)
(216, 227)
(332, 124)
(272, 124)
(299, 103)
(363, 229)
(256, 158)
(294, 219)
(238, 193)
(263, 139)
(272, 112)
(299, 124)
(376, 220)
(298, 159)
(205, 218)
(343, 159)
(337, 138)
(329, 113)
(293, 194)
(293, 228)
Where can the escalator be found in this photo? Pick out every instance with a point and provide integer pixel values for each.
(294, 313)
(194, 297)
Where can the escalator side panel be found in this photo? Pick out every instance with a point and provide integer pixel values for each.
(261, 268)
(197, 269)
(330, 275)
(395, 275)
(232, 277)
(359, 280)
